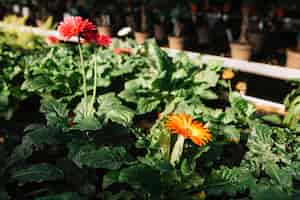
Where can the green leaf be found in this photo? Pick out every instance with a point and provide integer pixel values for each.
(111, 108)
(204, 92)
(268, 192)
(35, 139)
(241, 106)
(89, 123)
(207, 76)
(85, 119)
(280, 176)
(230, 181)
(110, 178)
(274, 119)
(232, 133)
(146, 105)
(142, 177)
(56, 113)
(122, 195)
(158, 56)
(63, 196)
(37, 173)
(106, 157)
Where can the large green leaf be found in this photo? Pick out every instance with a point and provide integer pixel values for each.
(105, 157)
(143, 178)
(56, 113)
(111, 108)
(37, 173)
(240, 105)
(85, 119)
(208, 76)
(35, 139)
(146, 105)
(63, 196)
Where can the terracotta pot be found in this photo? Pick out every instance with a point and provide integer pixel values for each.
(176, 42)
(159, 32)
(256, 40)
(140, 37)
(293, 59)
(104, 30)
(240, 51)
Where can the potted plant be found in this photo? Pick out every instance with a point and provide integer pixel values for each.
(104, 22)
(176, 39)
(242, 49)
(293, 55)
(159, 16)
(142, 35)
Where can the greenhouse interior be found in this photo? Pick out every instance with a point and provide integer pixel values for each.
(150, 100)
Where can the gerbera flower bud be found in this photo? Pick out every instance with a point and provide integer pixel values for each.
(228, 74)
(241, 87)
(103, 40)
(74, 26)
(122, 51)
(52, 40)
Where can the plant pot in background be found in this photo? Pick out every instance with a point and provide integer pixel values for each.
(140, 37)
(240, 51)
(104, 30)
(256, 41)
(159, 32)
(293, 59)
(176, 42)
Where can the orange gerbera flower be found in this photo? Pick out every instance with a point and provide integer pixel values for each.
(184, 125)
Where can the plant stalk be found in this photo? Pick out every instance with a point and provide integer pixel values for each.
(84, 85)
(95, 85)
(177, 150)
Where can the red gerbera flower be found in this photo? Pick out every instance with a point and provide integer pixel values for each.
(74, 26)
(122, 51)
(103, 40)
(51, 40)
(90, 36)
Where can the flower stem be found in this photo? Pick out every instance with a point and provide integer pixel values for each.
(230, 88)
(95, 85)
(84, 85)
(177, 150)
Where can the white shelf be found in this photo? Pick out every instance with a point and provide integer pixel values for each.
(271, 71)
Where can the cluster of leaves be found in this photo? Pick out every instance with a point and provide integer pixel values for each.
(292, 102)
(117, 147)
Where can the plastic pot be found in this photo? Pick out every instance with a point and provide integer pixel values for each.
(104, 30)
(176, 42)
(140, 37)
(240, 51)
(293, 59)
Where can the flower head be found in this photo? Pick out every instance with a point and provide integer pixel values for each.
(194, 8)
(184, 125)
(241, 86)
(52, 40)
(122, 51)
(90, 36)
(103, 40)
(228, 74)
(74, 26)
